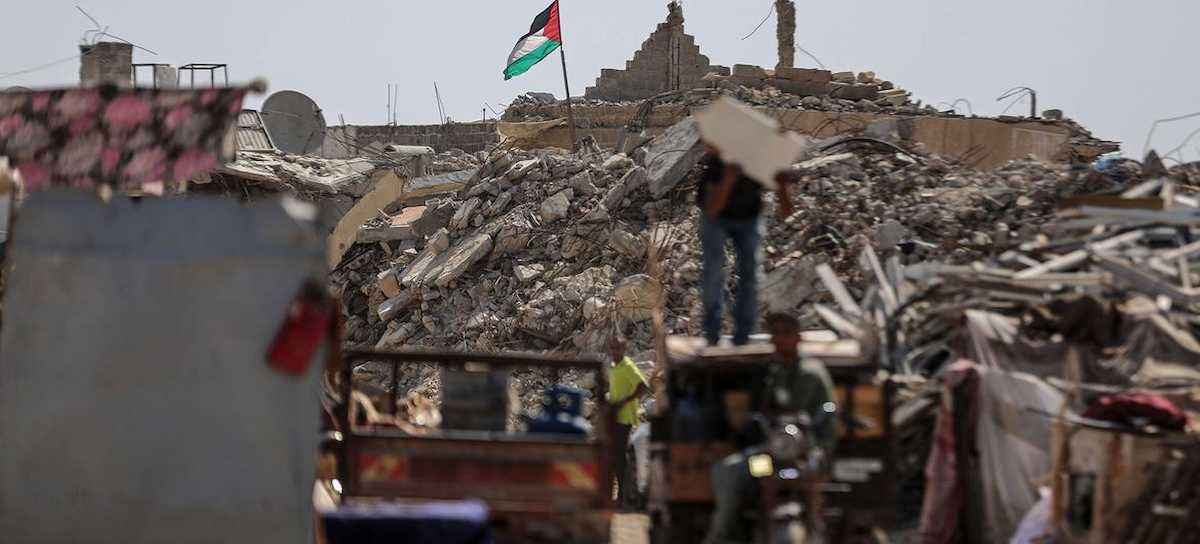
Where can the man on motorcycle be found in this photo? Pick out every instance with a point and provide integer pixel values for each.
(795, 388)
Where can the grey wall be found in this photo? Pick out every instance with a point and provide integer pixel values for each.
(136, 405)
(348, 141)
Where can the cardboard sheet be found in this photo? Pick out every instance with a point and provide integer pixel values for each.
(750, 139)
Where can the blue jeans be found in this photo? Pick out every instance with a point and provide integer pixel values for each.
(747, 241)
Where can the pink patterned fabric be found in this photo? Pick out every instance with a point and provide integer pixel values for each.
(122, 137)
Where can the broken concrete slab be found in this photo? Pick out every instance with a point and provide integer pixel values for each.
(520, 169)
(670, 156)
(414, 274)
(439, 241)
(528, 273)
(617, 162)
(392, 307)
(636, 297)
(627, 244)
(463, 216)
(557, 206)
(437, 215)
(459, 259)
(854, 91)
(501, 203)
(599, 214)
(628, 183)
(389, 233)
(582, 184)
(398, 337)
(388, 282)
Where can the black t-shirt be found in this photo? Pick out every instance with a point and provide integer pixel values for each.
(745, 202)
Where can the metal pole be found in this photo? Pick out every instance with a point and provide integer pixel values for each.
(570, 108)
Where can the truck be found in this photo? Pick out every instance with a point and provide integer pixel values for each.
(542, 479)
(860, 493)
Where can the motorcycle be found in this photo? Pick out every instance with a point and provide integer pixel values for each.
(788, 470)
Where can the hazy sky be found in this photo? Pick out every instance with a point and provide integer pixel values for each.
(1115, 65)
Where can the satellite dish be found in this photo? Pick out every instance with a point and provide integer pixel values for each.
(17, 89)
(294, 121)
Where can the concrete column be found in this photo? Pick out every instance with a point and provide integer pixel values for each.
(785, 11)
(165, 77)
(106, 62)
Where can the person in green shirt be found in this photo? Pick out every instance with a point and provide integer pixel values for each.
(626, 387)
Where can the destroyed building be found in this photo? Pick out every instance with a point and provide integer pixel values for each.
(668, 78)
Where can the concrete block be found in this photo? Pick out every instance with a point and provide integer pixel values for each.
(801, 88)
(844, 77)
(855, 92)
(804, 74)
(388, 282)
(749, 71)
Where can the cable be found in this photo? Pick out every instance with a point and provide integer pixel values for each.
(812, 56)
(760, 25)
(50, 64)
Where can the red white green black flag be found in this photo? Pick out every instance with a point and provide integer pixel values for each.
(543, 38)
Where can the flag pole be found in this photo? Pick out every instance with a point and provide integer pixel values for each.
(562, 51)
(570, 107)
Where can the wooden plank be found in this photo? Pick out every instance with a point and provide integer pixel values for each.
(1144, 216)
(1144, 188)
(886, 292)
(837, 322)
(1107, 201)
(1078, 256)
(838, 290)
(1145, 282)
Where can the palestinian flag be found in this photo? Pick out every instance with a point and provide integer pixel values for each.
(544, 37)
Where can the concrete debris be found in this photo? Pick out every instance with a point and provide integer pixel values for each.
(557, 206)
(465, 213)
(631, 181)
(466, 253)
(437, 215)
(627, 244)
(520, 170)
(617, 162)
(439, 241)
(599, 214)
(636, 297)
(526, 274)
(670, 156)
(533, 256)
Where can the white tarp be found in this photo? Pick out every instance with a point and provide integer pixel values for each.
(1014, 438)
(749, 139)
(136, 404)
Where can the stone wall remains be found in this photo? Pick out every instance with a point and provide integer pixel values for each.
(106, 62)
(355, 140)
(668, 60)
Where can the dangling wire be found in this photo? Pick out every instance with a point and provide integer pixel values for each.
(760, 25)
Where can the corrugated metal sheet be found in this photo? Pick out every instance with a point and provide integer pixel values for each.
(252, 134)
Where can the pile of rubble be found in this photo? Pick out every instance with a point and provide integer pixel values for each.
(1099, 302)
(456, 160)
(546, 250)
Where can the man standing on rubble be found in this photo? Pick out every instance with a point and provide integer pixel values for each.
(730, 205)
(795, 387)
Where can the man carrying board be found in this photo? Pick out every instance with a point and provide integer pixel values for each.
(730, 199)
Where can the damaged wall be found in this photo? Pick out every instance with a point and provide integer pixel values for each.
(106, 62)
(668, 60)
(343, 142)
(991, 142)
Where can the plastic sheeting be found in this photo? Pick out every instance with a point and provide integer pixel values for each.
(1014, 440)
(1002, 413)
